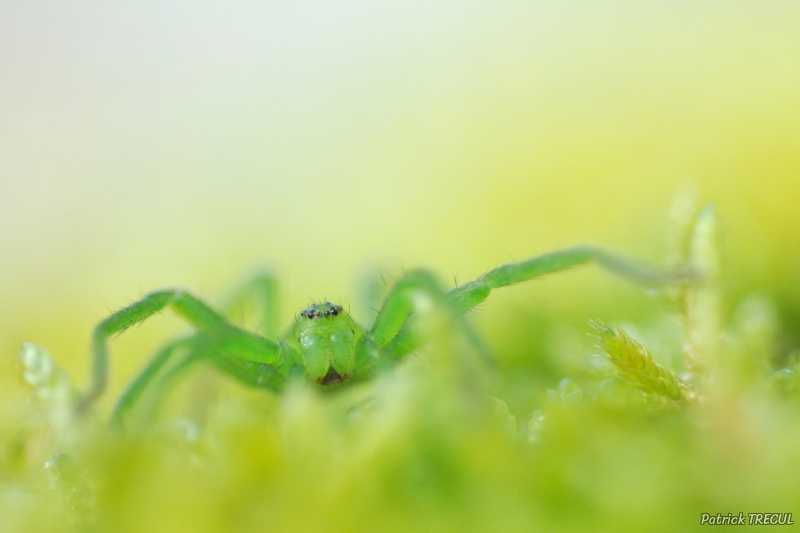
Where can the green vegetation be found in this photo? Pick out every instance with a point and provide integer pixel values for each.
(663, 420)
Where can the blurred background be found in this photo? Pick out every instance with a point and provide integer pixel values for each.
(159, 144)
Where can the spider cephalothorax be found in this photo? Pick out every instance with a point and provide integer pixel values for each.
(325, 344)
(326, 334)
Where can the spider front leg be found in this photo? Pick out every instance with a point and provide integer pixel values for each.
(417, 310)
(416, 292)
(467, 296)
(415, 303)
(146, 377)
(260, 292)
(191, 351)
(226, 337)
(471, 294)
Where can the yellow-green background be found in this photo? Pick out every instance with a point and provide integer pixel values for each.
(155, 144)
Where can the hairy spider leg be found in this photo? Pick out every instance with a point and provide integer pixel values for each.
(196, 349)
(412, 301)
(416, 304)
(416, 292)
(470, 294)
(226, 337)
(261, 291)
(135, 388)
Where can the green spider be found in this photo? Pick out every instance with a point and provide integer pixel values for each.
(325, 344)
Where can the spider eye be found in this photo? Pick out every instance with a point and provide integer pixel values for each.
(334, 311)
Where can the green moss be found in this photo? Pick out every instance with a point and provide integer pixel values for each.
(431, 446)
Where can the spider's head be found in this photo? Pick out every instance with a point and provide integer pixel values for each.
(326, 336)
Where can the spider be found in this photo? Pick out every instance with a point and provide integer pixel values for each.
(325, 344)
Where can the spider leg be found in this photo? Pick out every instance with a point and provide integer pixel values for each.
(249, 373)
(196, 349)
(416, 310)
(416, 292)
(226, 337)
(411, 304)
(260, 291)
(470, 294)
(135, 388)
(467, 296)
